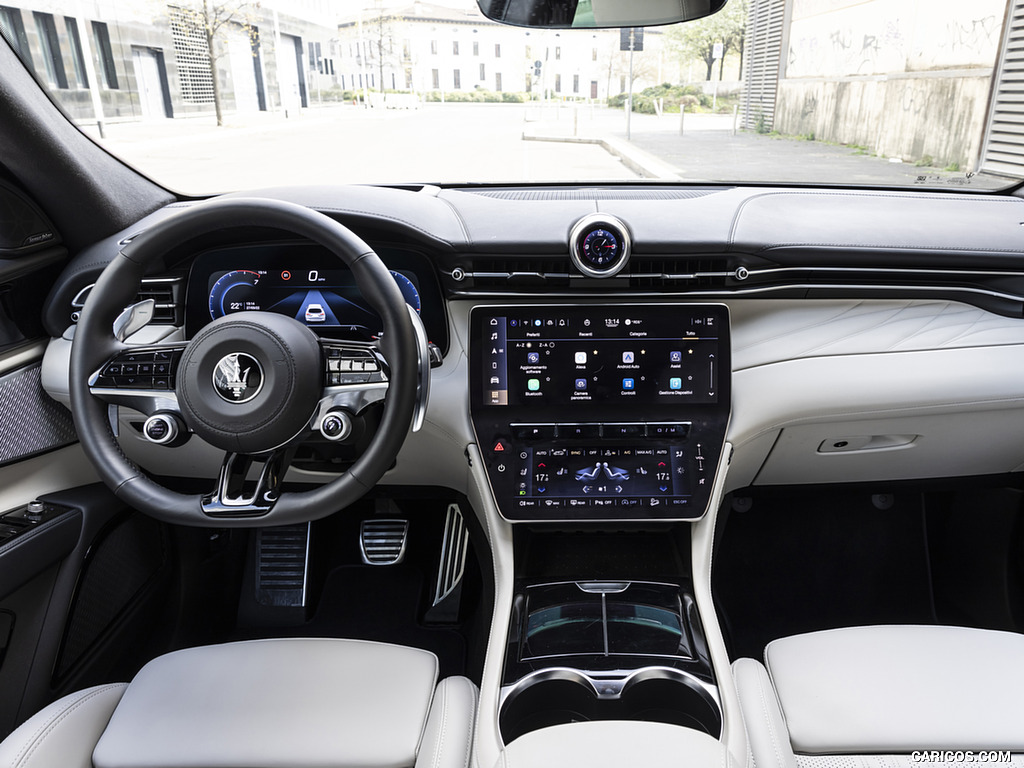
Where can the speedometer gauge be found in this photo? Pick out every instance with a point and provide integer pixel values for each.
(409, 292)
(234, 292)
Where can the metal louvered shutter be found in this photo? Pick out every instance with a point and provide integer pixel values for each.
(764, 55)
(1003, 150)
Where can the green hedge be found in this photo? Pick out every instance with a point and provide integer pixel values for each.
(479, 96)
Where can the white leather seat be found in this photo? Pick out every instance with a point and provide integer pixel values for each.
(885, 697)
(261, 704)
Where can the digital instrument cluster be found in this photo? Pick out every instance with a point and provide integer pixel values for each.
(610, 412)
(306, 283)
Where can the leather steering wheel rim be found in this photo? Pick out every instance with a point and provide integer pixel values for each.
(116, 288)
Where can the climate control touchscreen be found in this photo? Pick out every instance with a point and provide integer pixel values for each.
(609, 412)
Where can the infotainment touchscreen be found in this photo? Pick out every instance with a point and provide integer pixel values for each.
(575, 356)
(603, 411)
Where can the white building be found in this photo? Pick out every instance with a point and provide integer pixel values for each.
(423, 48)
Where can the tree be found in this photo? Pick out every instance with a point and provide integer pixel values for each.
(697, 39)
(382, 41)
(209, 19)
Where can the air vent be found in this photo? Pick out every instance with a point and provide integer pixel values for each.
(593, 194)
(382, 542)
(517, 273)
(165, 291)
(281, 565)
(678, 273)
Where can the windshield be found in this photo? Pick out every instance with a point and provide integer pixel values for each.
(212, 95)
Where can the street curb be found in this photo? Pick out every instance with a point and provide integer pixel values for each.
(643, 163)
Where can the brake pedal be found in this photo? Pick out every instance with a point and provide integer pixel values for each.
(382, 542)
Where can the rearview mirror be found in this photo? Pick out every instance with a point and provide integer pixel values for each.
(571, 14)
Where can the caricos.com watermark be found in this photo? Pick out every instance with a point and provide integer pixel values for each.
(961, 756)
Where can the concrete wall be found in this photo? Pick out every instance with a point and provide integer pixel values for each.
(904, 78)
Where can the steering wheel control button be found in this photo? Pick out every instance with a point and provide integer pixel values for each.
(141, 369)
(336, 425)
(350, 365)
(161, 428)
(238, 377)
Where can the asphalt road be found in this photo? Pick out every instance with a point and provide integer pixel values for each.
(451, 143)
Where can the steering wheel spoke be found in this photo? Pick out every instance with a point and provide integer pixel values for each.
(141, 378)
(236, 496)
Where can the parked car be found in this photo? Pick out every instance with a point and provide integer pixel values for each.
(705, 469)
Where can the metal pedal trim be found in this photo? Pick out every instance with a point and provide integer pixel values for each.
(453, 553)
(382, 542)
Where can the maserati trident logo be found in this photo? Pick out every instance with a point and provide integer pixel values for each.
(238, 377)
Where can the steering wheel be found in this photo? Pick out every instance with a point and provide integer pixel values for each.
(253, 384)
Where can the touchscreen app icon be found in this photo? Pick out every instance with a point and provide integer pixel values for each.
(627, 357)
(675, 357)
(533, 385)
(581, 383)
(533, 357)
(581, 358)
(628, 384)
(675, 383)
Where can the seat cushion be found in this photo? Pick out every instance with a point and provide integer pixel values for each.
(270, 703)
(892, 689)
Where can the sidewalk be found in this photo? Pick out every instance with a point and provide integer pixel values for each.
(706, 149)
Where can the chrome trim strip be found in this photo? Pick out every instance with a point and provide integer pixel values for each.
(726, 294)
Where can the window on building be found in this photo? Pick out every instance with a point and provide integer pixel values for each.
(593, 89)
(373, 81)
(13, 30)
(393, 81)
(529, 82)
(593, 55)
(558, 53)
(108, 73)
(312, 58)
(193, 57)
(575, 83)
(50, 45)
(476, 48)
(77, 59)
(529, 52)
(455, 47)
(497, 81)
(343, 83)
(360, 79)
(330, 63)
(558, 83)
(622, 84)
(433, 47)
(497, 50)
(408, 78)
(483, 72)
(435, 79)
(457, 79)
(406, 50)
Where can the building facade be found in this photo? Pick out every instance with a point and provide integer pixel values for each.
(152, 61)
(425, 48)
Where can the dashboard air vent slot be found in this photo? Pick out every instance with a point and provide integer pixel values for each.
(167, 292)
(594, 194)
(518, 272)
(661, 273)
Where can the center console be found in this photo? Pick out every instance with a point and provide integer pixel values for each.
(601, 429)
(603, 412)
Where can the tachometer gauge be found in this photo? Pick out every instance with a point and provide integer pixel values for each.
(409, 292)
(234, 292)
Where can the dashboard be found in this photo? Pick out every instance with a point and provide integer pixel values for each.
(858, 335)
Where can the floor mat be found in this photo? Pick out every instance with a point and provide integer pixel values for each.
(806, 560)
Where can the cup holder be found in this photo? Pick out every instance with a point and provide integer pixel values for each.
(655, 694)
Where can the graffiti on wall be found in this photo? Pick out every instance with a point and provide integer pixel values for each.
(881, 37)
